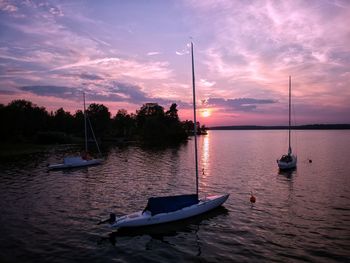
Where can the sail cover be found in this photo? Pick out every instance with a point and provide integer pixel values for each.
(166, 204)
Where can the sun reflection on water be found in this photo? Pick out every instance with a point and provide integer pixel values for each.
(205, 160)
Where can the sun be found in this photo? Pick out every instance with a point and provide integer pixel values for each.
(205, 113)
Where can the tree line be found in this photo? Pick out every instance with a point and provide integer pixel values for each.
(21, 121)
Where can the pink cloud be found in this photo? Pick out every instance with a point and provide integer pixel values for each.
(243, 49)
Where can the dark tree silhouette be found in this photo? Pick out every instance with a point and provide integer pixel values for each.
(100, 118)
(123, 124)
(172, 112)
(22, 119)
(149, 120)
(78, 126)
(155, 126)
(25, 121)
(174, 128)
(147, 111)
(63, 121)
(188, 125)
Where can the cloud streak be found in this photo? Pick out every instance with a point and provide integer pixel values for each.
(117, 92)
(153, 53)
(239, 104)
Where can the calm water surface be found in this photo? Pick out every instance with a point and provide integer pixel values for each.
(302, 216)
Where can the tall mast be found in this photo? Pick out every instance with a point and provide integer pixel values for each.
(195, 119)
(85, 127)
(290, 100)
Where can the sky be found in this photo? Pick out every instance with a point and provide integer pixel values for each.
(126, 53)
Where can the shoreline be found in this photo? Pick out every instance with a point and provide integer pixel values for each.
(299, 127)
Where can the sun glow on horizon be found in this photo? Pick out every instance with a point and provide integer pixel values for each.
(69, 51)
(206, 113)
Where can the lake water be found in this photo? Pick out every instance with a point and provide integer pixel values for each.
(301, 216)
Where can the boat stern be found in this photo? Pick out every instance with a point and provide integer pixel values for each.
(287, 163)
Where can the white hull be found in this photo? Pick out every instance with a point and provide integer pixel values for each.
(141, 218)
(78, 162)
(283, 165)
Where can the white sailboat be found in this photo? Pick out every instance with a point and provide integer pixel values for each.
(288, 161)
(85, 159)
(167, 209)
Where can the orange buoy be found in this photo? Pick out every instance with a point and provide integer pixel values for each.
(252, 198)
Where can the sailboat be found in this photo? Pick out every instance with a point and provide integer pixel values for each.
(288, 161)
(167, 209)
(85, 159)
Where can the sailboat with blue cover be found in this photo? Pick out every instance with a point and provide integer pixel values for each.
(84, 159)
(167, 209)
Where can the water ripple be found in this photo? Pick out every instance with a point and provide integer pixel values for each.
(299, 216)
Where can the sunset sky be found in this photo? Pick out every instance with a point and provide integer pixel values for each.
(127, 53)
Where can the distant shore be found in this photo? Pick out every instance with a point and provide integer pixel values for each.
(298, 127)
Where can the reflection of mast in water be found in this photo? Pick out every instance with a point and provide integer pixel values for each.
(289, 179)
(198, 242)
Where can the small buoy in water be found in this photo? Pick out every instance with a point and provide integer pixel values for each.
(310, 161)
(252, 198)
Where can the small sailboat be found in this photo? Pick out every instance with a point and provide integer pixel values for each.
(167, 209)
(84, 159)
(288, 161)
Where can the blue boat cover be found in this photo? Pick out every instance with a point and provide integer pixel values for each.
(166, 204)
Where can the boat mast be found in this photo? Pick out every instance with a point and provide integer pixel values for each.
(85, 128)
(93, 136)
(195, 119)
(290, 99)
